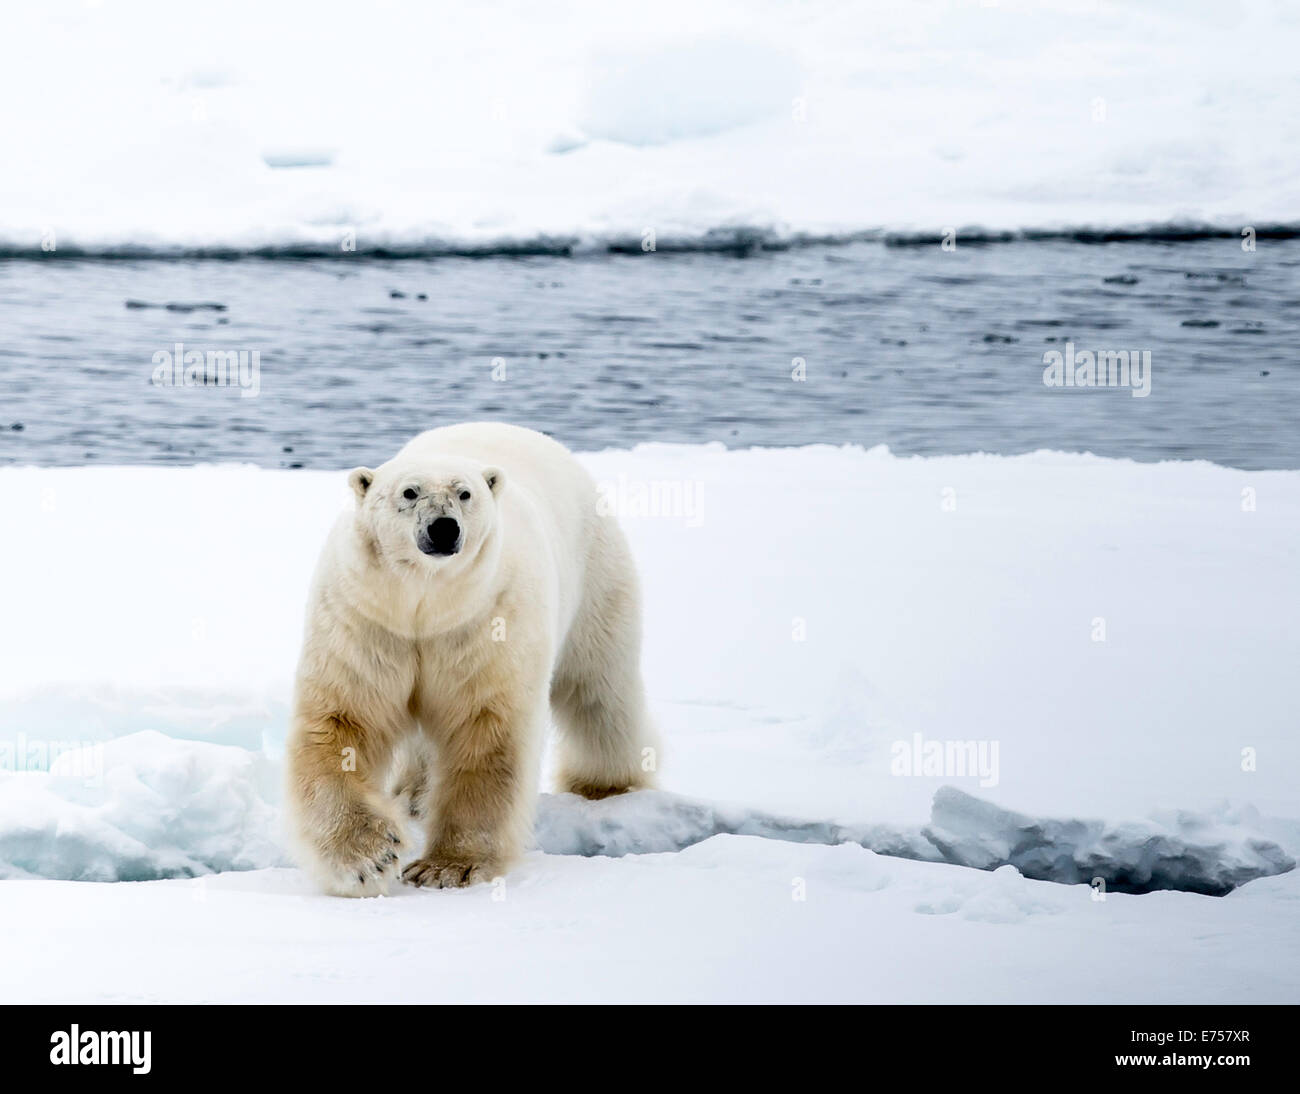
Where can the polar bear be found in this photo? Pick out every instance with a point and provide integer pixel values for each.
(474, 585)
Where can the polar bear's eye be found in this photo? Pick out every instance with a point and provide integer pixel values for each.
(464, 495)
(410, 494)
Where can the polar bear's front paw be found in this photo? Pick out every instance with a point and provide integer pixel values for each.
(363, 860)
(447, 872)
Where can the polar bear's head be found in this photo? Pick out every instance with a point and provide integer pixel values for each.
(429, 513)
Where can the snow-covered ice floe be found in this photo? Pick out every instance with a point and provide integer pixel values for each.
(415, 129)
(147, 806)
(1197, 853)
(137, 808)
(1110, 640)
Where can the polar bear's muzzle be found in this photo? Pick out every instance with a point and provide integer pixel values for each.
(440, 537)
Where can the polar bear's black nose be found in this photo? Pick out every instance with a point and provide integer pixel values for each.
(442, 537)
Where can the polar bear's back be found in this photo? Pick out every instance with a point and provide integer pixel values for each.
(488, 441)
(542, 466)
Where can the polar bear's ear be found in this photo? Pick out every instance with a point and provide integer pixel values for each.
(360, 481)
(495, 479)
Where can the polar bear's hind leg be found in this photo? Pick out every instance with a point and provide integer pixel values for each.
(607, 744)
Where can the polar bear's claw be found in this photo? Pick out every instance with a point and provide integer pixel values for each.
(362, 863)
(438, 873)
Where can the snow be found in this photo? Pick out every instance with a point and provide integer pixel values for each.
(1112, 638)
(580, 124)
(717, 922)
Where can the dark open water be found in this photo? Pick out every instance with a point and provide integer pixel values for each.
(923, 350)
